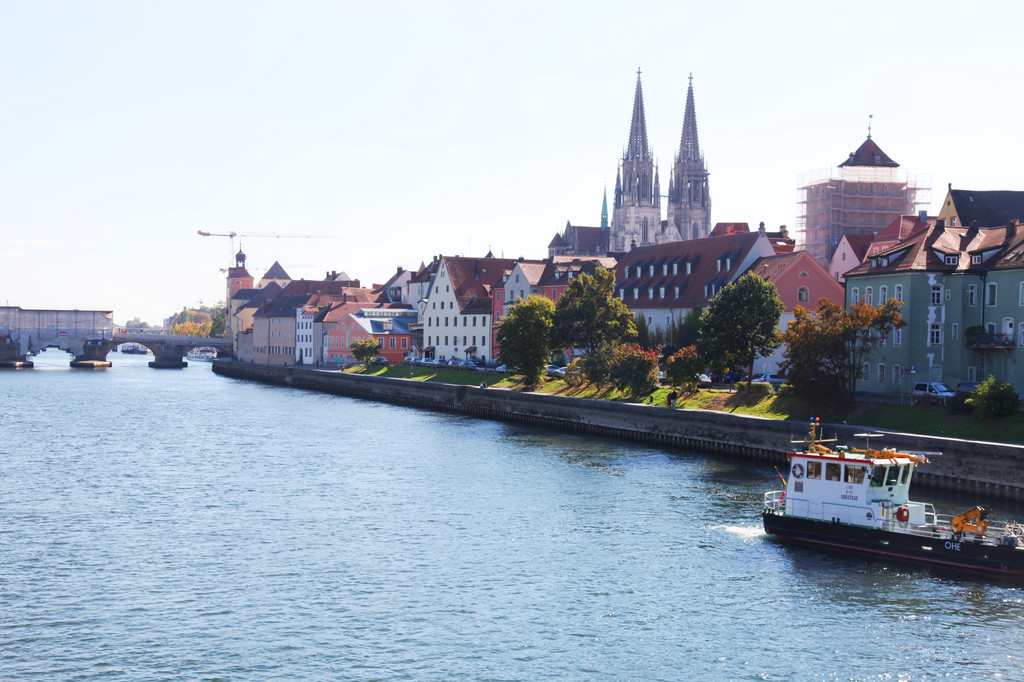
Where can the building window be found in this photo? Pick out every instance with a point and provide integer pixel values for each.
(936, 295)
(661, 292)
(391, 343)
(865, 372)
(935, 335)
(869, 296)
(881, 373)
(896, 371)
(688, 268)
(955, 331)
(976, 259)
(952, 260)
(897, 337)
(636, 293)
(405, 343)
(899, 293)
(801, 294)
(990, 294)
(1020, 297)
(972, 295)
(883, 295)
(855, 297)
(972, 373)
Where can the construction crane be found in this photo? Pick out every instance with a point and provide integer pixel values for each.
(260, 235)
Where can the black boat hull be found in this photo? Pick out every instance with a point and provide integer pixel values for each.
(947, 551)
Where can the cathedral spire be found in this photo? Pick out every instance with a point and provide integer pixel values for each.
(638, 148)
(689, 146)
(604, 210)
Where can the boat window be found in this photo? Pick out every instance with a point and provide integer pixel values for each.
(906, 474)
(854, 474)
(894, 476)
(832, 471)
(814, 470)
(877, 476)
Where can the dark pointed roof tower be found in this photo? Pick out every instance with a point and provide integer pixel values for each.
(689, 198)
(636, 215)
(604, 210)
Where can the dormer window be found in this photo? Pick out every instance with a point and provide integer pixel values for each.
(651, 271)
(952, 259)
(718, 265)
(883, 261)
(688, 268)
(675, 268)
(976, 259)
(638, 271)
(664, 269)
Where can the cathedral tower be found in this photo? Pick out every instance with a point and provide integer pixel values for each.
(636, 216)
(689, 202)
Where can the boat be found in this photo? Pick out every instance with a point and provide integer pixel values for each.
(202, 354)
(859, 499)
(134, 349)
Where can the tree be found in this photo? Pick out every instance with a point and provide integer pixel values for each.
(741, 323)
(683, 366)
(364, 350)
(191, 328)
(523, 335)
(643, 334)
(634, 369)
(589, 316)
(826, 349)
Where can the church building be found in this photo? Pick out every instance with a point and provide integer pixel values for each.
(636, 213)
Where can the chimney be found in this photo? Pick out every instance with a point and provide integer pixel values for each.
(783, 231)
(760, 229)
(940, 223)
(399, 270)
(922, 216)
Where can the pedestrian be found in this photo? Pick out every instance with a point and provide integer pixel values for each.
(671, 399)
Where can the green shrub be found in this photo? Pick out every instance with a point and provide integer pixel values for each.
(958, 405)
(787, 390)
(756, 388)
(993, 398)
(574, 374)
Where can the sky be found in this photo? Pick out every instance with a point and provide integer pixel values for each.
(368, 136)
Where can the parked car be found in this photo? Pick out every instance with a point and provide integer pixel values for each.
(552, 370)
(379, 360)
(501, 368)
(930, 392)
(965, 388)
(454, 362)
(468, 363)
(776, 380)
(428, 362)
(754, 377)
(704, 381)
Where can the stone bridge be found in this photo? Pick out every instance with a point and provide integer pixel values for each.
(88, 335)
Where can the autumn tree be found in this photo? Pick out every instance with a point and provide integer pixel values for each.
(634, 369)
(643, 334)
(191, 328)
(826, 349)
(741, 324)
(364, 350)
(590, 317)
(524, 336)
(683, 367)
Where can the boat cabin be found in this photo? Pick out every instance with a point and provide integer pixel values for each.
(851, 485)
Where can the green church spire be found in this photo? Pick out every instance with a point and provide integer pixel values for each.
(604, 210)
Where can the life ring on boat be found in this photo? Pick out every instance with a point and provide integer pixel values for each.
(902, 514)
(798, 471)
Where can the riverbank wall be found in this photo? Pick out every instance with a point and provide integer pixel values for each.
(988, 469)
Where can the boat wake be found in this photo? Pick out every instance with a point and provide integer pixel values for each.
(744, 532)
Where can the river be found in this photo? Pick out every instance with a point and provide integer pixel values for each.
(164, 524)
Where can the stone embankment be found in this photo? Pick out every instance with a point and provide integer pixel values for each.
(990, 469)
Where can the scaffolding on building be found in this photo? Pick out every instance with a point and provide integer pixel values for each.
(854, 200)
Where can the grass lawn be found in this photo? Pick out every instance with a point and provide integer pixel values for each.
(923, 419)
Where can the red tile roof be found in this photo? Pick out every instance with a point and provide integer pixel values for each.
(472, 279)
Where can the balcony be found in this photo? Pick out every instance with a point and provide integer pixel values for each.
(986, 340)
